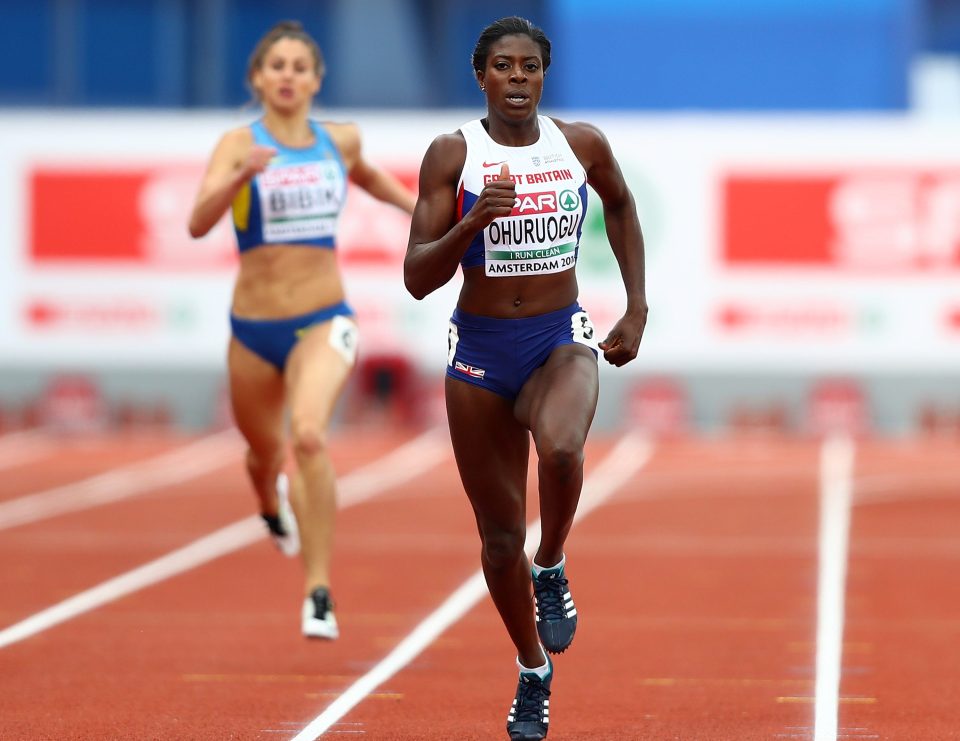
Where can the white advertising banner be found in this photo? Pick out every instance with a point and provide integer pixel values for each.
(773, 244)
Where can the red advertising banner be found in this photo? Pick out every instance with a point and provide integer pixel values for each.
(125, 217)
(897, 220)
(137, 217)
(88, 216)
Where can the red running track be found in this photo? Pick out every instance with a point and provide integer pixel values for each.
(696, 582)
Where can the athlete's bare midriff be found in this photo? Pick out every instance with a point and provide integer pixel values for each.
(511, 298)
(278, 281)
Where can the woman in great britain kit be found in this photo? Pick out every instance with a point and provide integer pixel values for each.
(504, 198)
(294, 337)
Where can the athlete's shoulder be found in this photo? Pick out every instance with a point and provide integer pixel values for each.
(345, 134)
(241, 135)
(453, 140)
(587, 141)
(452, 146)
(444, 159)
(580, 130)
(340, 128)
(234, 144)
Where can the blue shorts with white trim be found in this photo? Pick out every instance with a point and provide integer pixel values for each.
(501, 354)
(273, 339)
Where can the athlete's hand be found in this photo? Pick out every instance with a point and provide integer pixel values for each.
(257, 160)
(496, 199)
(623, 341)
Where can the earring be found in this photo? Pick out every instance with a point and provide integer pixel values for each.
(483, 89)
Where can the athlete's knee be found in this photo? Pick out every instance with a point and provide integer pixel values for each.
(309, 438)
(265, 460)
(560, 458)
(502, 546)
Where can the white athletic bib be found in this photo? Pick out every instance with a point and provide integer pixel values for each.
(301, 201)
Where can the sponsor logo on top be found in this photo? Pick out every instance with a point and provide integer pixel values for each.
(309, 174)
(545, 202)
(535, 203)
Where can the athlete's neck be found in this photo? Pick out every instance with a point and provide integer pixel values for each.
(512, 133)
(291, 130)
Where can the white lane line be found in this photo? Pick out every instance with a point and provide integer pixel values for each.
(207, 548)
(19, 448)
(174, 467)
(401, 465)
(836, 496)
(628, 457)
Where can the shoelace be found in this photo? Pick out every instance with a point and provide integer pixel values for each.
(549, 594)
(322, 604)
(530, 696)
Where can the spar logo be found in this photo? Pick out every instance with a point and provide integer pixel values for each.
(569, 200)
(529, 204)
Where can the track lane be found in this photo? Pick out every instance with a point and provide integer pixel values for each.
(628, 456)
(904, 595)
(216, 653)
(39, 460)
(697, 616)
(408, 460)
(717, 643)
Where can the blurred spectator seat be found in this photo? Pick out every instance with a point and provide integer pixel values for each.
(659, 406)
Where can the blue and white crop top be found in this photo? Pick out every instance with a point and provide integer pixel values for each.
(297, 199)
(542, 235)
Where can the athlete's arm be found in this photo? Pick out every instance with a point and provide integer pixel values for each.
(437, 240)
(235, 160)
(623, 233)
(379, 183)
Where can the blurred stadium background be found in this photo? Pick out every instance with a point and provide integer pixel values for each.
(796, 165)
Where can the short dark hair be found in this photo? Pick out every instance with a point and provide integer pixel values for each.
(509, 26)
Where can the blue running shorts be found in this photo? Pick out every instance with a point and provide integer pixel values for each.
(273, 339)
(501, 354)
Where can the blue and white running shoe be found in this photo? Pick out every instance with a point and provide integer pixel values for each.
(529, 717)
(556, 613)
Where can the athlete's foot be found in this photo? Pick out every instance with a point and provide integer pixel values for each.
(556, 613)
(529, 716)
(317, 618)
(283, 525)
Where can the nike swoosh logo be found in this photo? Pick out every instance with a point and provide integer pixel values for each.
(493, 164)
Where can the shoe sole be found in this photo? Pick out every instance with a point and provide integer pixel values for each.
(322, 633)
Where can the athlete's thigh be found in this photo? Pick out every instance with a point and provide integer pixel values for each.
(256, 397)
(559, 400)
(491, 449)
(318, 367)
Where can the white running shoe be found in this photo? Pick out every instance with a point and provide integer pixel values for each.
(318, 620)
(289, 540)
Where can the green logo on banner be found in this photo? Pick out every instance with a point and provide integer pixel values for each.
(595, 257)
